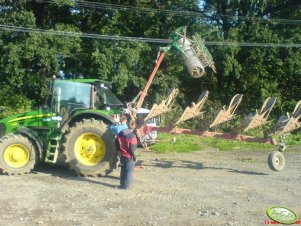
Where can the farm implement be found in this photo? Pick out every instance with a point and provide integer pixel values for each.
(74, 123)
(196, 58)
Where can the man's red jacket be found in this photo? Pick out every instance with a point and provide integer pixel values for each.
(127, 143)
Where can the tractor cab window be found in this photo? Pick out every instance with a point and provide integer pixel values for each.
(106, 98)
(71, 95)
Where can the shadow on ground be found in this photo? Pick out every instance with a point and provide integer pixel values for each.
(197, 166)
(63, 172)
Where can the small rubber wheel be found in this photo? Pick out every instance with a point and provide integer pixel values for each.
(276, 161)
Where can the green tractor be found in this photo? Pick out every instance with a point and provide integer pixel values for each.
(73, 125)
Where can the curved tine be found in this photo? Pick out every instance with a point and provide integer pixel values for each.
(171, 95)
(272, 102)
(170, 91)
(297, 111)
(268, 105)
(204, 94)
(235, 102)
(264, 104)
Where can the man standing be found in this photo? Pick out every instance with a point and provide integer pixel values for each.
(128, 147)
(116, 128)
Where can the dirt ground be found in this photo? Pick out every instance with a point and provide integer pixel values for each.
(200, 188)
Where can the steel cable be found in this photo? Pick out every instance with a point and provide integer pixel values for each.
(138, 39)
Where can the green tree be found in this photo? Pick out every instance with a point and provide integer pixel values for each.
(257, 72)
(28, 59)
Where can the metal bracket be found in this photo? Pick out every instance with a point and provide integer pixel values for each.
(163, 107)
(282, 145)
(195, 109)
(260, 117)
(227, 114)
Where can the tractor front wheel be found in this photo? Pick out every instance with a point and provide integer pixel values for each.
(18, 155)
(88, 147)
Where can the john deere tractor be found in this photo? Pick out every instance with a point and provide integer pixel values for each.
(74, 125)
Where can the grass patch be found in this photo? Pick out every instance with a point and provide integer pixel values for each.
(183, 143)
(293, 139)
(227, 145)
(189, 143)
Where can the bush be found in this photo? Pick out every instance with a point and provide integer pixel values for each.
(14, 105)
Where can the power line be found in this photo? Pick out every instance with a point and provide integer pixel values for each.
(82, 35)
(253, 44)
(139, 39)
(97, 5)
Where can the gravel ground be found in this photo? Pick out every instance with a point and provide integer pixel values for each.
(200, 188)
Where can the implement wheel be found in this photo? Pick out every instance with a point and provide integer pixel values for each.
(17, 155)
(276, 161)
(88, 148)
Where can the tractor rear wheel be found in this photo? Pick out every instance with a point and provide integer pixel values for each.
(88, 147)
(18, 155)
(276, 161)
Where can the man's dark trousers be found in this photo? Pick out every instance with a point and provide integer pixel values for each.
(126, 173)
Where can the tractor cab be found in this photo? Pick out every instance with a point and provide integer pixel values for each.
(69, 95)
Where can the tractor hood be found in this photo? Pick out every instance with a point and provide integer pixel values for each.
(35, 118)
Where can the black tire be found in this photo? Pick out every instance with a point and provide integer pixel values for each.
(276, 161)
(113, 162)
(88, 148)
(18, 155)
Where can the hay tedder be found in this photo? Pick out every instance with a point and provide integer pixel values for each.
(197, 57)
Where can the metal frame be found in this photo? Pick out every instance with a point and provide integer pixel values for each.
(227, 114)
(260, 117)
(195, 109)
(148, 129)
(163, 107)
(287, 124)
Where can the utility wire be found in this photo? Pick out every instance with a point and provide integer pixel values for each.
(97, 5)
(139, 39)
(82, 35)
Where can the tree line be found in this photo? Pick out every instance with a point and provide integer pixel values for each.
(28, 59)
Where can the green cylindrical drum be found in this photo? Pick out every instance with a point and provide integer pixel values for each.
(192, 62)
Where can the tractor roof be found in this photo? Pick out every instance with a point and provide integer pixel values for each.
(91, 81)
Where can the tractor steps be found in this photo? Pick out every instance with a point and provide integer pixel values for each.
(53, 149)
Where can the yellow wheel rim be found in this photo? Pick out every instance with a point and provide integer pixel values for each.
(16, 155)
(89, 149)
